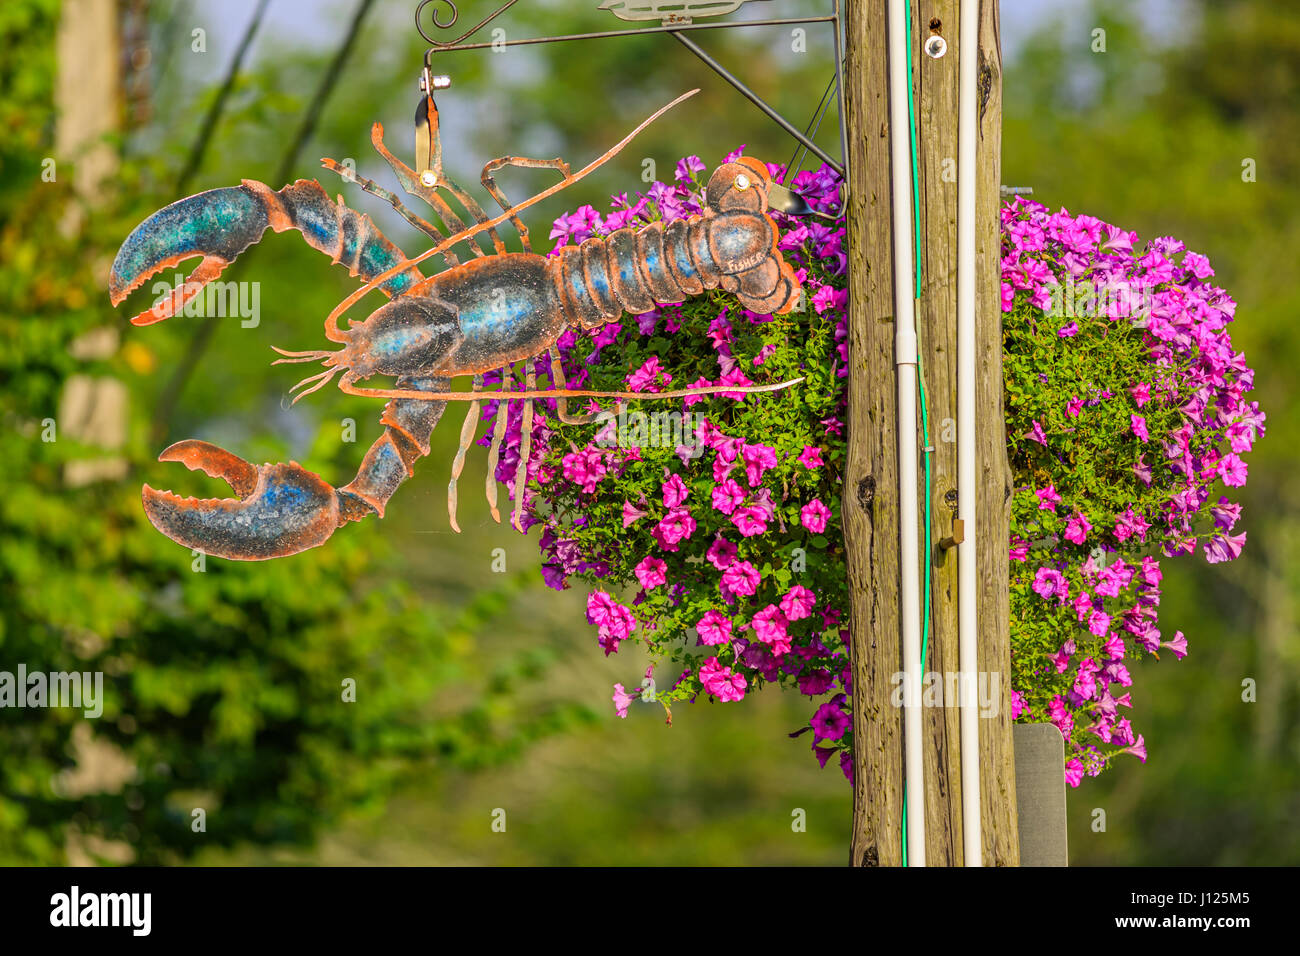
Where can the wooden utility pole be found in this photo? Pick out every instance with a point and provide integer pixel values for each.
(870, 506)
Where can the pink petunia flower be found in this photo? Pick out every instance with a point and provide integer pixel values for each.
(621, 699)
(613, 621)
(1139, 749)
(749, 521)
(1099, 623)
(631, 514)
(714, 628)
(585, 468)
(1050, 583)
(1178, 645)
(1061, 659)
(1232, 470)
(1077, 528)
(770, 628)
(721, 681)
(675, 527)
(1048, 499)
(600, 607)
(727, 495)
(1074, 772)
(650, 572)
(797, 603)
(758, 459)
(814, 516)
(830, 722)
(741, 579)
(648, 377)
(811, 457)
(1224, 547)
(721, 554)
(674, 491)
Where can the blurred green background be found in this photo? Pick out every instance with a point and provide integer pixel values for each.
(479, 691)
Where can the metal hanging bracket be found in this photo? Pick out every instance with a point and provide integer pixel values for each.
(428, 145)
(676, 18)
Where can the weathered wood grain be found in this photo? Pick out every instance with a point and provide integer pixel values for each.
(870, 502)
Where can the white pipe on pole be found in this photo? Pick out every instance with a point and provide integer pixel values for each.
(905, 358)
(967, 482)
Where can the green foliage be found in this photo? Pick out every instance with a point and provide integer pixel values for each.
(227, 686)
(1154, 135)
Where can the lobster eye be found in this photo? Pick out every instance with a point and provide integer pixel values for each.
(742, 181)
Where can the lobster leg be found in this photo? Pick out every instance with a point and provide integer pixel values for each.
(523, 162)
(221, 223)
(562, 403)
(525, 449)
(376, 190)
(494, 453)
(467, 431)
(411, 184)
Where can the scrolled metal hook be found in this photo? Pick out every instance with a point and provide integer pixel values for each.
(455, 13)
(447, 44)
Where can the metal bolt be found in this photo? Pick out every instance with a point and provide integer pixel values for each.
(935, 47)
(742, 181)
(427, 178)
(430, 83)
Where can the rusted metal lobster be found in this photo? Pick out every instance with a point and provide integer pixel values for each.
(471, 318)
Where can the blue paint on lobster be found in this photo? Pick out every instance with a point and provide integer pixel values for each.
(471, 318)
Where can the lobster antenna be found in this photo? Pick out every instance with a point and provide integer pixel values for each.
(321, 379)
(297, 357)
(332, 320)
(552, 190)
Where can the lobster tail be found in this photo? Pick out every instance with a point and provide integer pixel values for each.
(733, 245)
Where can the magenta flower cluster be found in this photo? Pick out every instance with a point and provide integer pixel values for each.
(710, 527)
(1126, 415)
(724, 520)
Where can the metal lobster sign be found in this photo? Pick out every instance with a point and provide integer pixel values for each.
(474, 316)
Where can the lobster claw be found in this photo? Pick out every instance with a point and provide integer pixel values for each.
(281, 509)
(218, 225)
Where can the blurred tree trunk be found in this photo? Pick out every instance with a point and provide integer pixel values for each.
(88, 99)
(92, 409)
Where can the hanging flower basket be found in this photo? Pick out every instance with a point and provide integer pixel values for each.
(709, 528)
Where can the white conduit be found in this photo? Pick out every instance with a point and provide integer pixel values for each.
(967, 483)
(905, 358)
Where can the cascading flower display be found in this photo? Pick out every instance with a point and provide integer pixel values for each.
(710, 526)
(1126, 416)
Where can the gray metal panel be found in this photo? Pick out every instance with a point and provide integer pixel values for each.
(1040, 794)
